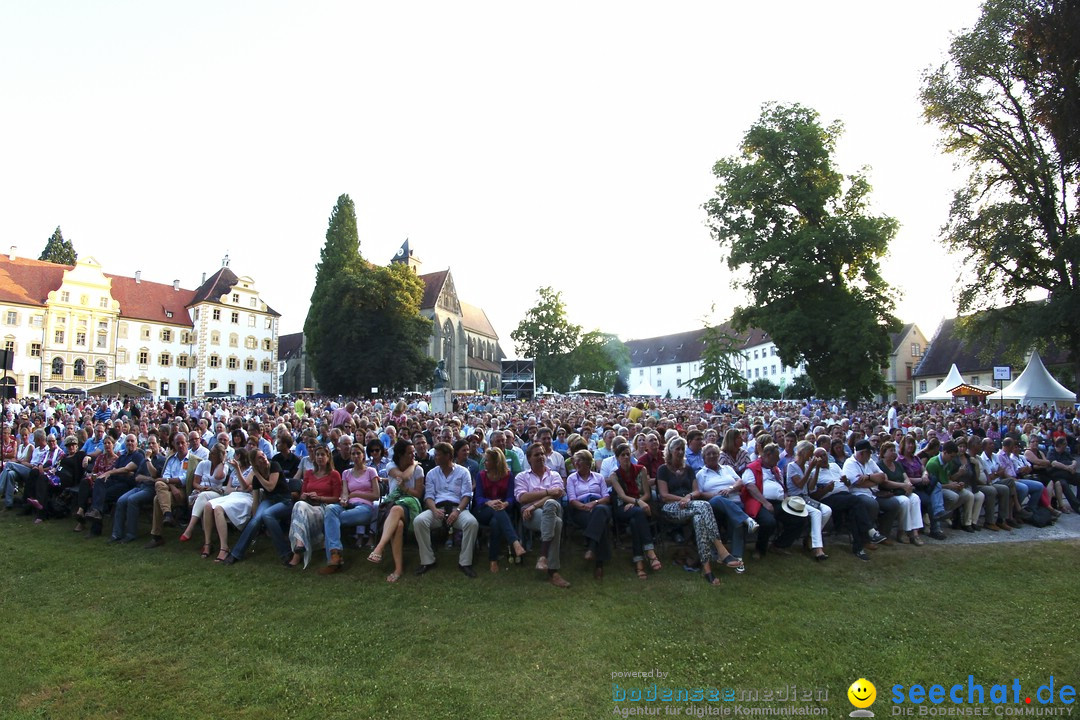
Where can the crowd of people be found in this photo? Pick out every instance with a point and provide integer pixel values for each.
(785, 476)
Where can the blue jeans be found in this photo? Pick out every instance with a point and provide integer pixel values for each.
(937, 501)
(126, 512)
(502, 529)
(1031, 490)
(334, 516)
(12, 471)
(733, 512)
(270, 516)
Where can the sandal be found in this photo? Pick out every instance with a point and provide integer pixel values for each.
(222, 554)
(393, 578)
(917, 541)
(654, 563)
(376, 558)
(642, 575)
(732, 562)
(205, 551)
(711, 579)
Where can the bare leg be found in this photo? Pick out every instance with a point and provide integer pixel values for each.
(222, 524)
(207, 523)
(393, 519)
(397, 546)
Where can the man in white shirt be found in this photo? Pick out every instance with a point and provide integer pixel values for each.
(863, 476)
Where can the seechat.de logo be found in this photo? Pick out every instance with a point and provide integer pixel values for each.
(862, 694)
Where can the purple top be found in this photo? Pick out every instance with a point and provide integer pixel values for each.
(359, 483)
(586, 489)
(912, 466)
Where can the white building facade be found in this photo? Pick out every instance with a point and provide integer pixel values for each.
(75, 327)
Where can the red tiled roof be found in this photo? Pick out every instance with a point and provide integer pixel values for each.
(152, 301)
(433, 284)
(29, 282)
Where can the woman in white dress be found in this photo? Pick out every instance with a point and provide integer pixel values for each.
(235, 503)
(209, 483)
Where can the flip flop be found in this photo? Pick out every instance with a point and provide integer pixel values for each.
(731, 561)
(393, 578)
(654, 563)
(375, 558)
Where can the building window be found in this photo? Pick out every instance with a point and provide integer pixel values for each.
(166, 335)
(144, 357)
(65, 296)
(266, 366)
(252, 302)
(250, 342)
(80, 368)
(234, 340)
(773, 369)
(215, 361)
(233, 363)
(659, 383)
(144, 332)
(974, 379)
(916, 350)
(755, 354)
(213, 384)
(121, 331)
(266, 389)
(58, 337)
(249, 364)
(922, 386)
(58, 367)
(121, 357)
(165, 360)
(235, 318)
(269, 323)
(251, 321)
(80, 339)
(35, 349)
(11, 317)
(236, 298)
(249, 389)
(678, 368)
(9, 346)
(215, 338)
(181, 360)
(104, 302)
(232, 388)
(102, 341)
(658, 370)
(196, 315)
(35, 384)
(216, 315)
(183, 388)
(641, 372)
(267, 345)
(100, 370)
(37, 321)
(756, 372)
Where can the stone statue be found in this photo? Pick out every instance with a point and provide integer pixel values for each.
(441, 378)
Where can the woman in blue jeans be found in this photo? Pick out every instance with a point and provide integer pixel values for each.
(359, 491)
(493, 500)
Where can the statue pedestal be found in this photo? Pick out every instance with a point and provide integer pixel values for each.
(441, 401)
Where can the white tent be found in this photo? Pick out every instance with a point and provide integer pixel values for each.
(1036, 386)
(645, 389)
(943, 392)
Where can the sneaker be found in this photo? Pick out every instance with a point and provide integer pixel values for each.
(751, 525)
(876, 537)
(938, 535)
(861, 554)
(93, 515)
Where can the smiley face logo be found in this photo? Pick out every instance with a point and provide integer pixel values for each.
(862, 693)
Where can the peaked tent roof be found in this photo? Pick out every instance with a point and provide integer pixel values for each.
(1036, 386)
(119, 387)
(644, 389)
(944, 391)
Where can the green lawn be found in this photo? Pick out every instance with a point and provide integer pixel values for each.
(96, 631)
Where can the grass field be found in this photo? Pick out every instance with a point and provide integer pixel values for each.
(96, 631)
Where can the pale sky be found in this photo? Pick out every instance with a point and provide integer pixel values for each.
(520, 144)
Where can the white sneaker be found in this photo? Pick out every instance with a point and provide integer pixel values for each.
(751, 525)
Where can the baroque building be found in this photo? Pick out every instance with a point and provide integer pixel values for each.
(73, 327)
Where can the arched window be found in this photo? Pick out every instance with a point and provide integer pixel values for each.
(58, 367)
(448, 342)
(80, 368)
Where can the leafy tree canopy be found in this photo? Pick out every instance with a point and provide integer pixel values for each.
(1007, 102)
(807, 250)
(765, 389)
(546, 335)
(58, 250)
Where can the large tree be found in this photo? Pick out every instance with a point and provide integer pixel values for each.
(721, 363)
(1007, 101)
(801, 238)
(58, 250)
(598, 360)
(547, 335)
(364, 328)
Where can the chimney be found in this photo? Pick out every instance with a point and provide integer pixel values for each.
(203, 279)
(176, 285)
(11, 253)
(138, 276)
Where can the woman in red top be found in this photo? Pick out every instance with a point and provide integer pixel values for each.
(630, 486)
(322, 486)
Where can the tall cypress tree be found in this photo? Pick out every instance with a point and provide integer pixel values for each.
(58, 250)
(340, 253)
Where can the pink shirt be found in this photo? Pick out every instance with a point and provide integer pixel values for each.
(527, 482)
(359, 483)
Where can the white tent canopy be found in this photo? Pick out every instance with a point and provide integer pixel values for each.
(943, 392)
(645, 389)
(1036, 386)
